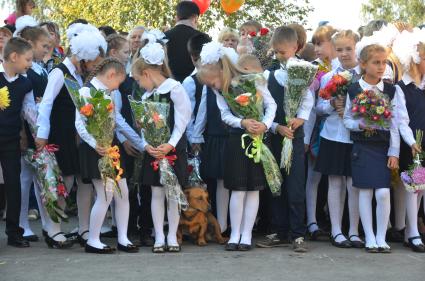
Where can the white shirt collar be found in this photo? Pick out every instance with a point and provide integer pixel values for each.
(38, 68)
(356, 69)
(407, 79)
(335, 63)
(9, 79)
(165, 87)
(71, 67)
(366, 86)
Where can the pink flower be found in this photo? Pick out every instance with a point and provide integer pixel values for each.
(418, 176)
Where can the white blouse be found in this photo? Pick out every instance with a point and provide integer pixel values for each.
(54, 85)
(182, 108)
(353, 124)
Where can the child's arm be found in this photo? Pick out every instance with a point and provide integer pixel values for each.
(403, 118)
(226, 114)
(349, 122)
(200, 121)
(54, 85)
(270, 106)
(190, 88)
(182, 113)
(394, 149)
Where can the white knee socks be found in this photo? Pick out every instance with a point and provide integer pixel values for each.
(222, 203)
(252, 201)
(336, 199)
(312, 185)
(236, 212)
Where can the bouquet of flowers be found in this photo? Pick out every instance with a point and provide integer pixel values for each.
(323, 68)
(414, 178)
(48, 174)
(152, 117)
(97, 110)
(194, 173)
(300, 77)
(260, 42)
(337, 86)
(4, 98)
(373, 109)
(244, 100)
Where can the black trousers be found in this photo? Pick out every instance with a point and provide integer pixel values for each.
(288, 209)
(10, 159)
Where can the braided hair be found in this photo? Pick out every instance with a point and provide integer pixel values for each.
(104, 66)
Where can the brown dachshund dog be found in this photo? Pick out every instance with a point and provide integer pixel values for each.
(197, 220)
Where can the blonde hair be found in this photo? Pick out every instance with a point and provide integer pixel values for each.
(115, 42)
(226, 33)
(105, 65)
(227, 68)
(141, 65)
(345, 34)
(368, 51)
(249, 63)
(323, 34)
(414, 68)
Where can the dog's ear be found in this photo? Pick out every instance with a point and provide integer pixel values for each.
(187, 192)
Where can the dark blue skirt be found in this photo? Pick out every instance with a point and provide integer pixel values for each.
(369, 165)
(334, 158)
(212, 158)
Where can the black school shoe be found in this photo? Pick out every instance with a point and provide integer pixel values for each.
(244, 247)
(356, 244)
(130, 248)
(420, 248)
(231, 247)
(31, 238)
(343, 244)
(58, 244)
(18, 242)
(104, 250)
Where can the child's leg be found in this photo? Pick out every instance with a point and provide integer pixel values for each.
(158, 211)
(383, 209)
(399, 207)
(365, 204)
(252, 202)
(222, 198)
(353, 210)
(26, 181)
(98, 211)
(236, 212)
(84, 202)
(312, 185)
(122, 212)
(173, 216)
(336, 195)
(412, 217)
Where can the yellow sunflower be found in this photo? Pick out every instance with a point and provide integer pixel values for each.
(4, 98)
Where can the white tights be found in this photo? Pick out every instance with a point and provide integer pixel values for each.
(222, 204)
(312, 185)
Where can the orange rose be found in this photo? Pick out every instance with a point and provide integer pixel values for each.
(156, 117)
(339, 80)
(87, 110)
(243, 99)
(110, 107)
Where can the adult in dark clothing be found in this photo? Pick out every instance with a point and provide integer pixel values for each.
(178, 57)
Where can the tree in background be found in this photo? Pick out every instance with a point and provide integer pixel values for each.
(411, 11)
(125, 14)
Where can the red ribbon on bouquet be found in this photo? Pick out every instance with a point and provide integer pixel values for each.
(52, 147)
(170, 158)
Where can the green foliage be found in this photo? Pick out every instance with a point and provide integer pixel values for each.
(412, 11)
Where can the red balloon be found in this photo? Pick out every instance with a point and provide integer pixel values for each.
(202, 4)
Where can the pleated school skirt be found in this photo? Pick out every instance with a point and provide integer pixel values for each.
(334, 158)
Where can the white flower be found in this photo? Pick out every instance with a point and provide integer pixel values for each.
(85, 94)
(153, 53)
(346, 75)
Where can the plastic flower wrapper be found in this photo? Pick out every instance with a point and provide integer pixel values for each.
(48, 174)
(152, 117)
(373, 110)
(97, 110)
(195, 179)
(300, 77)
(244, 100)
(4, 98)
(261, 47)
(414, 178)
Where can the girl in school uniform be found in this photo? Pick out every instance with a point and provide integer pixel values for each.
(413, 101)
(334, 159)
(56, 124)
(374, 154)
(151, 73)
(39, 40)
(241, 175)
(109, 74)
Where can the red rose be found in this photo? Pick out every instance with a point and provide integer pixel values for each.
(264, 31)
(355, 108)
(387, 114)
(375, 117)
(362, 109)
(189, 169)
(61, 190)
(253, 34)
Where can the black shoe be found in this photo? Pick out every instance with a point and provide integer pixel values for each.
(81, 240)
(146, 240)
(130, 248)
(58, 244)
(315, 235)
(44, 233)
(18, 242)
(231, 247)
(113, 233)
(420, 248)
(384, 250)
(158, 249)
(371, 250)
(394, 235)
(356, 244)
(343, 244)
(71, 235)
(104, 250)
(244, 247)
(273, 240)
(31, 238)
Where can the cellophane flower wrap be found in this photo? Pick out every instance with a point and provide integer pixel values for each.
(414, 178)
(261, 44)
(245, 100)
(97, 111)
(300, 76)
(152, 117)
(337, 86)
(193, 167)
(48, 175)
(373, 109)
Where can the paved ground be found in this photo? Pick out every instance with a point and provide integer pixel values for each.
(323, 262)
